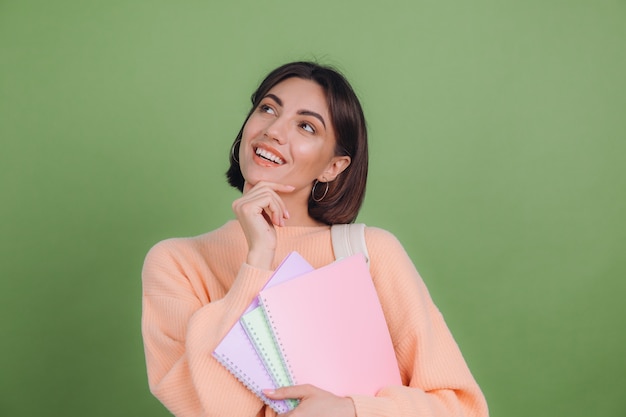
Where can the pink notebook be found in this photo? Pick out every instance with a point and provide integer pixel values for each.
(330, 328)
(237, 353)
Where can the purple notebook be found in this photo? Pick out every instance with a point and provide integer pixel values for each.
(237, 353)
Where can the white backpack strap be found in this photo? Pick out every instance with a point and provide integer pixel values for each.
(349, 239)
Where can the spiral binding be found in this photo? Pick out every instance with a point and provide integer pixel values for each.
(278, 406)
(271, 357)
(279, 343)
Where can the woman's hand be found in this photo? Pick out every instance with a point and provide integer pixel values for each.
(314, 402)
(259, 210)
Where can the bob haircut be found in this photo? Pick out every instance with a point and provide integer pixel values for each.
(345, 195)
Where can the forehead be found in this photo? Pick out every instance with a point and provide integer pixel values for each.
(301, 93)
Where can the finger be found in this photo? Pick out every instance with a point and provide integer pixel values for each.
(274, 213)
(264, 193)
(268, 205)
(280, 188)
(291, 392)
(268, 200)
(271, 206)
(255, 201)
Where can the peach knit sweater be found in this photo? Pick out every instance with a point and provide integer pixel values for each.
(194, 289)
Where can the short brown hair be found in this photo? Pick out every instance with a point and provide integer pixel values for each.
(346, 193)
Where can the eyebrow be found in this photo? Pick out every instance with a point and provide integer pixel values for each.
(302, 112)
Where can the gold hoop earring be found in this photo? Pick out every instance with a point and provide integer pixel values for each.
(317, 200)
(233, 152)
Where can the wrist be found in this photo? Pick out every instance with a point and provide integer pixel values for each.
(260, 258)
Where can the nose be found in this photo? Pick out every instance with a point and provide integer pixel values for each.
(276, 130)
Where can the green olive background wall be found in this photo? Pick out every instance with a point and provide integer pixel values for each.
(498, 142)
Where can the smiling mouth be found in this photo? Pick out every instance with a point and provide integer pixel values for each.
(268, 156)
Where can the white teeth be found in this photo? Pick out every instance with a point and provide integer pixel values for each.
(269, 156)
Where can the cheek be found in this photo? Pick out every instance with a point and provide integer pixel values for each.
(253, 127)
(312, 154)
(246, 134)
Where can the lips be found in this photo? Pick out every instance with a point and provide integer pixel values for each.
(269, 155)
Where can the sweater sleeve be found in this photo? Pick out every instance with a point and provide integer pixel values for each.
(181, 328)
(436, 379)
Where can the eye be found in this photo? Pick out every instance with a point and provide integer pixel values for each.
(266, 108)
(307, 127)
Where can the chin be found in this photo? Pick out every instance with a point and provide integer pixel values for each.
(254, 179)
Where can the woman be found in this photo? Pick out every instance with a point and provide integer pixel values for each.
(300, 161)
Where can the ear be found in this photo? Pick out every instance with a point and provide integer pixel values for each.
(336, 166)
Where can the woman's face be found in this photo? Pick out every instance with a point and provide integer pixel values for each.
(289, 138)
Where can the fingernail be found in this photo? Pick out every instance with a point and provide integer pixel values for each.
(268, 391)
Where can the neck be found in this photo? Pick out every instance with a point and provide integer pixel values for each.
(297, 206)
